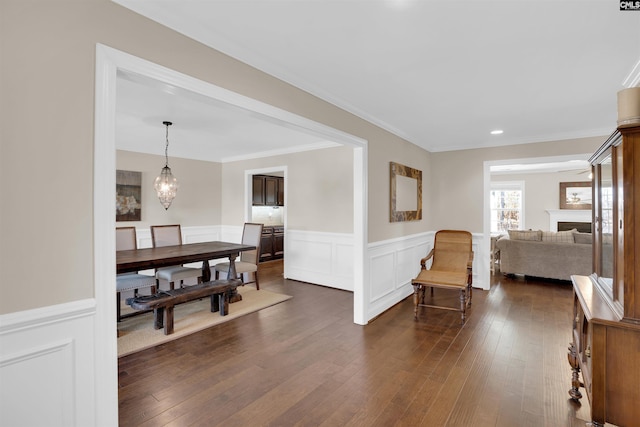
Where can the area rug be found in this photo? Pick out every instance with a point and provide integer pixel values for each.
(137, 333)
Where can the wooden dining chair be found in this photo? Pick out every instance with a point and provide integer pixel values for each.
(171, 235)
(248, 263)
(126, 240)
(451, 269)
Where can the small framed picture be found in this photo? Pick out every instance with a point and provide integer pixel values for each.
(576, 195)
(128, 195)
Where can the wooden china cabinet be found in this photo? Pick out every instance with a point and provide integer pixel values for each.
(606, 308)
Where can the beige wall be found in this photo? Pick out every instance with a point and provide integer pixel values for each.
(458, 180)
(399, 151)
(198, 201)
(47, 132)
(542, 192)
(319, 192)
(47, 106)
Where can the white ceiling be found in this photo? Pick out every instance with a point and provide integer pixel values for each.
(440, 73)
(202, 128)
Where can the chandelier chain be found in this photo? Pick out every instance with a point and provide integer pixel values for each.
(166, 147)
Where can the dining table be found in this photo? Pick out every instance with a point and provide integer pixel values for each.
(151, 258)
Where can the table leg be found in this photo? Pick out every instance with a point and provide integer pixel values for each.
(232, 274)
(234, 296)
(206, 271)
(158, 318)
(219, 303)
(168, 320)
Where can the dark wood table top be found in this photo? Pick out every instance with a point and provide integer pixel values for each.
(143, 259)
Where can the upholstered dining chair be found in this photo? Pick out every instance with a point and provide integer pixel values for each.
(248, 263)
(171, 235)
(126, 240)
(451, 269)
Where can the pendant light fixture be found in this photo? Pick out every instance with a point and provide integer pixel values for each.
(166, 184)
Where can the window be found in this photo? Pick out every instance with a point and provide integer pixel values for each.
(507, 206)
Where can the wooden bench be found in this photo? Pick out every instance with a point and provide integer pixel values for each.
(163, 302)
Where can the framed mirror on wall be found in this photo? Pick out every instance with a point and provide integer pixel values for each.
(405, 193)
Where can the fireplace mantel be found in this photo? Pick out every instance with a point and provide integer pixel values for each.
(567, 215)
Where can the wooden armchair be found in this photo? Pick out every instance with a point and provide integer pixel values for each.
(451, 269)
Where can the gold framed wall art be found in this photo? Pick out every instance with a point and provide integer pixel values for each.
(405, 193)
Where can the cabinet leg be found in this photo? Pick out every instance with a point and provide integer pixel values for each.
(572, 355)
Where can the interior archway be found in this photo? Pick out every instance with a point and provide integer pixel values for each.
(108, 62)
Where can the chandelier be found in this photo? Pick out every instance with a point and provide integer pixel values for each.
(166, 184)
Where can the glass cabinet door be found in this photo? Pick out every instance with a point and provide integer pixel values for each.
(604, 221)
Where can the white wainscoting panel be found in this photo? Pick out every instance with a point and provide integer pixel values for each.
(327, 259)
(394, 263)
(47, 366)
(320, 258)
(383, 280)
(481, 261)
(194, 234)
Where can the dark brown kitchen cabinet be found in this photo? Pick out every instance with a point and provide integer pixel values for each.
(266, 244)
(271, 191)
(272, 243)
(278, 242)
(258, 190)
(268, 190)
(280, 192)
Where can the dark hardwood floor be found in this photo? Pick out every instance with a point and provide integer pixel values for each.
(305, 363)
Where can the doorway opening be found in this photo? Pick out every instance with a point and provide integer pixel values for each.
(109, 62)
(493, 168)
(266, 203)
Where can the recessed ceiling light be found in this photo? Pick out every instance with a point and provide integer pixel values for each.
(496, 132)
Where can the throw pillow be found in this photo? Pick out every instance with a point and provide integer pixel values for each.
(525, 235)
(558, 236)
(584, 238)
